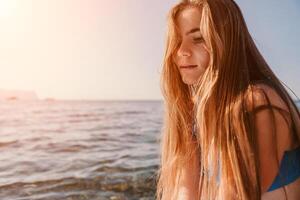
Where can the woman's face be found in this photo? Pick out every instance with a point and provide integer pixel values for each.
(192, 57)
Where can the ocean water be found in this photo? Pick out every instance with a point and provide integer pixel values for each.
(65, 150)
(79, 149)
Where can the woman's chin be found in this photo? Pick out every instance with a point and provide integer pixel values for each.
(189, 81)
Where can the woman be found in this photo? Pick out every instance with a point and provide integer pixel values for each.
(231, 130)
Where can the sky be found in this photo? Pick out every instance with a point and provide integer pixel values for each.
(96, 49)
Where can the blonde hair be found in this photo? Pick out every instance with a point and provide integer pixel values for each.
(224, 109)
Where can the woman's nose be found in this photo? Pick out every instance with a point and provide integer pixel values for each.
(183, 51)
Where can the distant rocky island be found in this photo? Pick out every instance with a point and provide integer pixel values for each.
(14, 95)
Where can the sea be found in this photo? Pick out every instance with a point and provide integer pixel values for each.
(79, 150)
(69, 150)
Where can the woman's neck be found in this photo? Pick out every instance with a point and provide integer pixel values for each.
(193, 89)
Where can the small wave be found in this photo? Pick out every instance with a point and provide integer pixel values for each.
(119, 169)
(73, 148)
(6, 144)
(131, 112)
(85, 120)
(134, 187)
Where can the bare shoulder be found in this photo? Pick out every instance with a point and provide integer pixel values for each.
(261, 94)
(273, 119)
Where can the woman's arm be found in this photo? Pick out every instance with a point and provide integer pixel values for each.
(273, 134)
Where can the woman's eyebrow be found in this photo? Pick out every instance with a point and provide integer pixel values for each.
(192, 31)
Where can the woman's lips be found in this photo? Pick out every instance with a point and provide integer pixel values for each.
(187, 66)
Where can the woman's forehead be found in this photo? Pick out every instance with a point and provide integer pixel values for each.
(188, 19)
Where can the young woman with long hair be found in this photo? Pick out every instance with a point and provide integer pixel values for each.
(231, 130)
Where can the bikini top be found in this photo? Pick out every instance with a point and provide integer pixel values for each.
(289, 169)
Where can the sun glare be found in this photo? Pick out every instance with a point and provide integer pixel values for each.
(8, 8)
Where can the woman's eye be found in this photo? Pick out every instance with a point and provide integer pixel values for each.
(199, 39)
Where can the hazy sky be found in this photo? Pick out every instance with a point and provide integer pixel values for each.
(96, 49)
